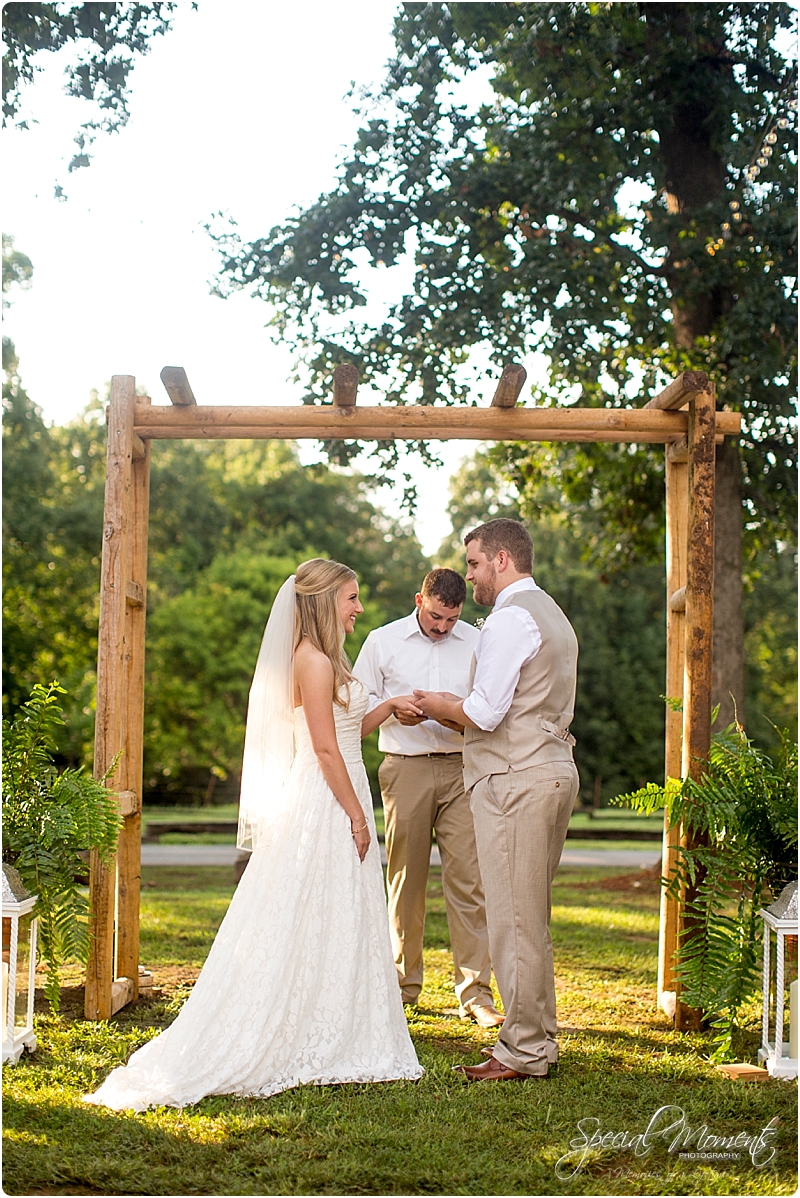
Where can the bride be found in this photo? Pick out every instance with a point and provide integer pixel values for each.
(300, 986)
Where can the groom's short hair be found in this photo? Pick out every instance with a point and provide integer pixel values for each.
(505, 534)
(445, 585)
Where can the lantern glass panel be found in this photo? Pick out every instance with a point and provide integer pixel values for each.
(23, 969)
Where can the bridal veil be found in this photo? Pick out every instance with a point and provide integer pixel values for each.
(269, 746)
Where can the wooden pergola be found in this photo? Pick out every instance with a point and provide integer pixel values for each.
(683, 418)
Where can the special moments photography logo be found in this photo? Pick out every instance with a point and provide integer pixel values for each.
(668, 1125)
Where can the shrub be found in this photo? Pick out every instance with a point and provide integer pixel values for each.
(49, 817)
(740, 820)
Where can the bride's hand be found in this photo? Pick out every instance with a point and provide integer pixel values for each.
(361, 836)
(406, 711)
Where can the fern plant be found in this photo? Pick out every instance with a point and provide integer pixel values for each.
(741, 820)
(49, 817)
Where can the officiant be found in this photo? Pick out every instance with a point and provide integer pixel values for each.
(422, 787)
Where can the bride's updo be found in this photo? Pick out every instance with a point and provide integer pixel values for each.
(317, 585)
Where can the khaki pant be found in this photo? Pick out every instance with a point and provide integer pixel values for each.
(421, 794)
(521, 821)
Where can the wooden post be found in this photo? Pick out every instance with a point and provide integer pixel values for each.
(109, 738)
(677, 516)
(699, 623)
(129, 855)
(345, 385)
(177, 386)
(699, 585)
(508, 389)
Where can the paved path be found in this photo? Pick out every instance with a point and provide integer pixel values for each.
(228, 854)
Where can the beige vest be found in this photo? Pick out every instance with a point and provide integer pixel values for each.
(535, 729)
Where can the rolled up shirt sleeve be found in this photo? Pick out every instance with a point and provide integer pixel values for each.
(367, 671)
(509, 640)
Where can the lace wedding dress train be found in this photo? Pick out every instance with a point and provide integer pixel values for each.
(300, 986)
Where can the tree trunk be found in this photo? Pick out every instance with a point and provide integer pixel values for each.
(694, 180)
(727, 680)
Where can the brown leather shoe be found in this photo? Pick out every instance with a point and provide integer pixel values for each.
(484, 1014)
(495, 1071)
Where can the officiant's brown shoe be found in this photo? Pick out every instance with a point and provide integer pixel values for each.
(494, 1071)
(484, 1014)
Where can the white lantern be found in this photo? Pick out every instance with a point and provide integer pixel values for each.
(780, 917)
(19, 966)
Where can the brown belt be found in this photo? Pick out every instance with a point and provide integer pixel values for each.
(454, 753)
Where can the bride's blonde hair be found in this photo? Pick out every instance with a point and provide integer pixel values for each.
(317, 585)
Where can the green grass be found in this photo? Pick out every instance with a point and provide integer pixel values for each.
(621, 821)
(620, 1062)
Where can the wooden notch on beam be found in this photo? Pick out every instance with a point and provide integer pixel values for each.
(177, 386)
(674, 396)
(345, 385)
(508, 389)
(129, 803)
(134, 594)
(677, 600)
(121, 994)
(678, 452)
(138, 448)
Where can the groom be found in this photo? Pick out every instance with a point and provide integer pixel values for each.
(518, 763)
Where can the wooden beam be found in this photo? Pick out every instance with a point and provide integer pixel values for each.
(137, 448)
(177, 386)
(699, 623)
(419, 423)
(680, 392)
(129, 854)
(677, 505)
(508, 389)
(346, 426)
(109, 740)
(345, 385)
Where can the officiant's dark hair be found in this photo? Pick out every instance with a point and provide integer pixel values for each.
(445, 585)
(505, 534)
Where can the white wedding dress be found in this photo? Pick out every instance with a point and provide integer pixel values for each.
(300, 986)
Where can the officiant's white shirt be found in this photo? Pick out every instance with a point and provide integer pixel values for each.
(509, 640)
(398, 659)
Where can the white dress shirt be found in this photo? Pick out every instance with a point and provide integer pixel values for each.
(398, 659)
(508, 641)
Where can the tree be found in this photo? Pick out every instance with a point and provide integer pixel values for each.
(202, 648)
(226, 521)
(626, 203)
(50, 549)
(108, 39)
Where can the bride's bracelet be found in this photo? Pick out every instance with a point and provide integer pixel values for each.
(355, 831)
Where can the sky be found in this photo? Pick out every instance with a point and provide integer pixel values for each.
(232, 111)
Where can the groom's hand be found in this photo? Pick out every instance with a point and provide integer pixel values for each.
(444, 707)
(437, 705)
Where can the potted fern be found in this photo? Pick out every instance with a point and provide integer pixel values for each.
(49, 817)
(741, 818)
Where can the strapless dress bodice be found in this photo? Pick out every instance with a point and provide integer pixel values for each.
(348, 726)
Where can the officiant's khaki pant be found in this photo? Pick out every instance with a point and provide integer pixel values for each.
(421, 794)
(521, 821)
